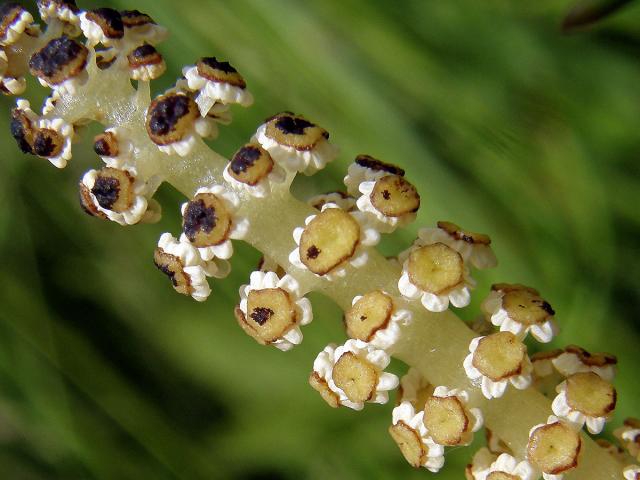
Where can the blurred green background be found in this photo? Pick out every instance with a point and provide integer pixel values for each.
(505, 124)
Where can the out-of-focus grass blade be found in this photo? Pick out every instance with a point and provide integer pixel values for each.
(588, 12)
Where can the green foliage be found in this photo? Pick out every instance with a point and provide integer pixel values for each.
(504, 124)
(589, 12)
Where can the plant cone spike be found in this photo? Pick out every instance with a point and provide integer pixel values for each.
(168, 148)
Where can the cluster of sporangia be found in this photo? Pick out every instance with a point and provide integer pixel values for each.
(272, 308)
